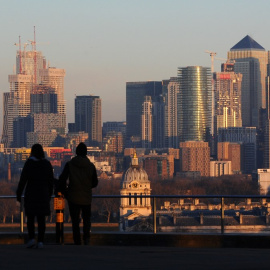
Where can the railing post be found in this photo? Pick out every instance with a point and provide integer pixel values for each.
(21, 210)
(154, 215)
(222, 215)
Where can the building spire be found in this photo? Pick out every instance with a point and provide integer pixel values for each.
(134, 159)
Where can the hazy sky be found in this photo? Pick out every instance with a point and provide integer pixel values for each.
(104, 44)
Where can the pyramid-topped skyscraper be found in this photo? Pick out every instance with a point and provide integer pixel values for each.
(251, 60)
(247, 43)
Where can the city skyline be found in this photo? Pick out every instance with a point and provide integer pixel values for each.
(103, 45)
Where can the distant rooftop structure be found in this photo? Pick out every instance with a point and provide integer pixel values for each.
(247, 43)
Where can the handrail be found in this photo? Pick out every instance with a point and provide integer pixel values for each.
(166, 196)
(154, 206)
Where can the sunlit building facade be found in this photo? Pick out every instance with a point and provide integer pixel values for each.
(246, 136)
(147, 123)
(170, 92)
(251, 60)
(195, 157)
(34, 89)
(227, 86)
(17, 104)
(194, 103)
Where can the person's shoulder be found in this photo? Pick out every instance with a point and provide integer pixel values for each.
(28, 162)
(46, 161)
(92, 165)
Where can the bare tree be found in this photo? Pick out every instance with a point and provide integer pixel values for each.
(105, 207)
(8, 207)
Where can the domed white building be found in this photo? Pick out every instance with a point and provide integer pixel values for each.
(135, 182)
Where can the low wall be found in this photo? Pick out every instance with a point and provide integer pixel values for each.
(159, 239)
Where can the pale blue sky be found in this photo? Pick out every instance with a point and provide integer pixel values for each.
(103, 44)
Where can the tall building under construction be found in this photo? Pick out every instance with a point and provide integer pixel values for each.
(32, 80)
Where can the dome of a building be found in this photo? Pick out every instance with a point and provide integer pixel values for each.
(135, 172)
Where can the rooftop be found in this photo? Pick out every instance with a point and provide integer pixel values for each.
(247, 43)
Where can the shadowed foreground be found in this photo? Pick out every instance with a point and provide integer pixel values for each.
(130, 257)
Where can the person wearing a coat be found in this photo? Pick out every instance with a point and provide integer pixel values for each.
(82, 177)
(37, 183)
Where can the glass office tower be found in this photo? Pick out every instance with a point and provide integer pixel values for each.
(251, 60)
(135, 97)
(194, 103)
(88, 118)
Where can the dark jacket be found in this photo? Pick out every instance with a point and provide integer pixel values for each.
(37, 179)
(82, 177)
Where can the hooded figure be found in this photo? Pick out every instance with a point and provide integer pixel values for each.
(82, 177)
(37, 181)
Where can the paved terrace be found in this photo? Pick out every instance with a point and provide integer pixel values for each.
(139, 251)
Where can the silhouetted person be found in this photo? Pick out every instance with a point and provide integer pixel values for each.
(37, 180)
(82, 177)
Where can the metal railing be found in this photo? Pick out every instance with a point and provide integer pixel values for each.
(154, 198)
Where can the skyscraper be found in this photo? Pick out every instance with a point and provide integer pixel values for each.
(170, 92)
(33, 79)
(227, 87)
(246, 136)
(54, 78)
(147, 123)
(43, 102)
(251, 60)
(17, 104)
(135, 96)
(26, 61)
(88, 118)
(266, 148)
(194, 103)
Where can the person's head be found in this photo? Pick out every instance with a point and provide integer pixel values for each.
(37, 151)
(81, 149)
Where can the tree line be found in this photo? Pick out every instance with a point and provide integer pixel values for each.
(107, 210)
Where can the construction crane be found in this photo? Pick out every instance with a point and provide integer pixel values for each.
(20, 54)
(212, 55)
(33, 43)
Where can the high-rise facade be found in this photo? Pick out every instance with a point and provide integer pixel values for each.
(43, 102)
(170, 92)
(158, 121)
(251, 60)
(194, 103)
(147, 123)
(88, 118)
(113, 142)
(114, 126)
(26, 61)
(266, 148)
(135, 96)
(195, 157)
(34, 89)
(232, 152)
(227, 86)
(54, 78)
(246, 136)
(17, 104)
